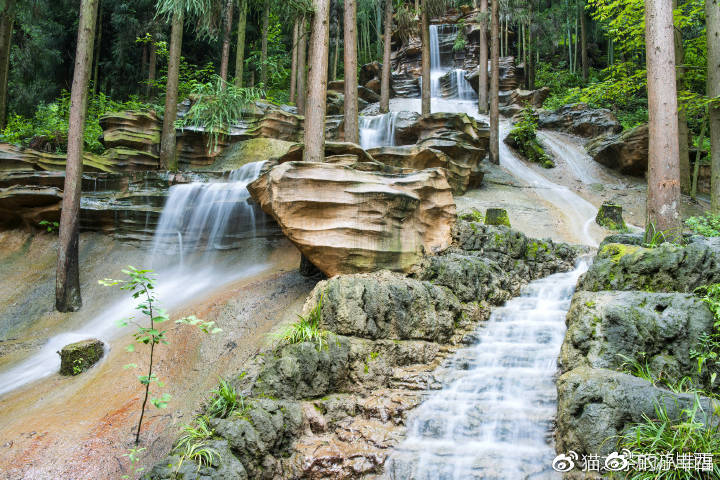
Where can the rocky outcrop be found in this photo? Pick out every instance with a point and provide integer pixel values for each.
(344, 219)
(79, 356)
(579, 119)
(511, 77)
(666, 268)
(626, 152)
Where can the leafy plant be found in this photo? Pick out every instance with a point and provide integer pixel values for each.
(640, 369)
(524, 138)
(654, 238)
(193, 444)
(473, 215)
(51, 227)
(225, 400)
(134, 457)
(707, 225)
(306, 329)
(141, 284)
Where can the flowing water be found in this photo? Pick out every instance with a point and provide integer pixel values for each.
(198, 225)
(493, 418)
(377, 130)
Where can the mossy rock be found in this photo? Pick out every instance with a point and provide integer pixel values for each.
(497, 216)
(610, 216)
(80, 356)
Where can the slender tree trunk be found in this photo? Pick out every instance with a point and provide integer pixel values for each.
(583, 40)
(301, 93)
(152, 67)
(663, 196)
(225, 59)
(97, 50)
(696, 167)
(67, 281)
(293, 62)
(712, 22)
(575, 51)
(507, 45)
(317, 82)
(483, 62)
(526, 71)
(425, 37)
(7, 21)
(494, 84)
(337, 53)
(168, 158)
(351, 80)
(531, 51)
(240, 48)
(501, 37)
(386, 75)
(611, 52)
(683, 135)
(264, 43)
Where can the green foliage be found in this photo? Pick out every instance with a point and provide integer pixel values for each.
(141, 285)
(707, 225)
(216, 106)
(193, 444)
(460, 39)
(637, 368)
(51, 227)
(654, 237)
(306, 329)
(524, 137)
(134, 456)
(707, 351)
(225, 400)
(474, 215)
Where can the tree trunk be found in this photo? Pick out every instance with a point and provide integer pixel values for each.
(351, 80)
(583, 47)
(337, 53)
(240, 49)
(225, 59)
(168, 159)
(683, 135)
(152, 67)
(264, 43)
(7, 21)
(293, 61)
(425, 37)
(301, 93)
(663, 195)
(712, 22)
(494, 84)
(317, 81)
(98, 40)
(483, 62)
(531, 51)
(386, 75)
(698, 155)
(67, 281)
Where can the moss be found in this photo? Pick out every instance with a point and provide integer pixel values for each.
(497, 216)
(610, 216)
(616, 251)
(473, 216)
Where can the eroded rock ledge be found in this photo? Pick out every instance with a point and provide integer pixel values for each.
(337, 411)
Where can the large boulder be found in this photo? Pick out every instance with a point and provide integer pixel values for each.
(348, 220)
(579, 119)
(666, 268)
(609, 329)
(626, 152)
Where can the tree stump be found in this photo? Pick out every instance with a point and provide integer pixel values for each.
(80, 356)
(497, 216)
(610, 217)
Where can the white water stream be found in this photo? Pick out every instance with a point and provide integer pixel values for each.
(198, 221)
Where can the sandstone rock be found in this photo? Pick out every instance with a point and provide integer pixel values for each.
(626, 152)
(345, 220)
(368, 95)
(29, 205)
(596, 405)
(579, 119)
(610, 216)
(666, 268)
(80, 356)
(248, 151)
(405, 85)
(511, 76)
(369, 71)
(132, 130)
(608, 329)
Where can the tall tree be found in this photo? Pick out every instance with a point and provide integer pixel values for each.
(386, 75)
(67, 280)
(663, 196)
(7, 21)
(168, 158)
(712, 23)
(225, 57)
(301, 93)
(494, 83)
(293, 60)
(683, 133)
(351, 81)
(425, 38)
(317, 82)
(264, 43)
(583, 41)
(152, 67)
(483, 62)
(240, 48)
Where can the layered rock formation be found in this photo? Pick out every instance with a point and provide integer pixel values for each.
(385, 335)
(626, 152)
(579, 119)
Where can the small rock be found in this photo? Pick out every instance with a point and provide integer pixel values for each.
(80, 356)
(497, 216)
(610, 216)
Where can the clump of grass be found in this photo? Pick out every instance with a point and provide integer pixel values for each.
(306, 329)
(224, 400)
(193, 444)
(473, 215)
(636, 368)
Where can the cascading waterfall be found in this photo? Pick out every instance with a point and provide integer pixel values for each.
(462, 86)
(198, 218)
(436, 69)
(492, 420)
(377, 130)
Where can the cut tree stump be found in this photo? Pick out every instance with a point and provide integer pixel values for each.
(77, 357)
(610, 217)
(497, 216)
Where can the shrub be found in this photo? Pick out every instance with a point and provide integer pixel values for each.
(225, 401)
(523, 137)
(707, 225)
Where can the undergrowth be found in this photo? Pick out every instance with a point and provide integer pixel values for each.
(306, 329)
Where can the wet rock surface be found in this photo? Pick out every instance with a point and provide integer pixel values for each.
(388, 333)
(626, 152)
(579, 119)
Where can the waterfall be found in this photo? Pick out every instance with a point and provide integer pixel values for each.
(377, 130)
(462, 86)
(493, 418)
(436, 65)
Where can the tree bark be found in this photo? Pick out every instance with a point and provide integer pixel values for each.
(386, 75)
(531, 53)
(264, 43)
(98, 40)
(483, 63)
(67, 280)
(337, 53)
(712, 22)
(683, 134)
(168, 159)
(240, 49)
(494, 84)
(293, 62)
(663, 196)
(583, 47)
(7, 21)
(301, 93)
(317, 82)
(350, 108)
(425, 37)
(225, 58)
(152, 68)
